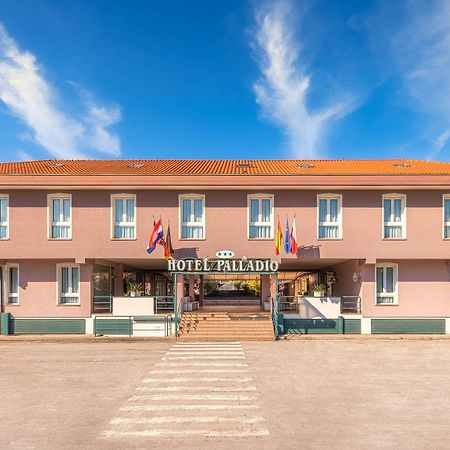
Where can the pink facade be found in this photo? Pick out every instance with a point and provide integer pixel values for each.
(422, 256)
(38, 295)
(226, 219)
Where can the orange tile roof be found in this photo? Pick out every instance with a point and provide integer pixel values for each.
(226, 167)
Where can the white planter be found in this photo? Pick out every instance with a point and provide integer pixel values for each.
(317, 294)
(132, 294)
(266, 306)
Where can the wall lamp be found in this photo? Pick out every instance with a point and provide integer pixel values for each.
(356, 277)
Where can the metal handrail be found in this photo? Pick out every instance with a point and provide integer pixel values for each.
(178, 313)
(168, 305)
(274, 308)
(350, 304)
(290, 300)
(108, 302)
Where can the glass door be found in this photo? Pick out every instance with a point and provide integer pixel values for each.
(103, 288)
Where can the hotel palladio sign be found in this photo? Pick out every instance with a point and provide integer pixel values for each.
(223, 265)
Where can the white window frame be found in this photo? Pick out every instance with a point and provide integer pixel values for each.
(402, 223)
(444, 223)
(191, 223)
(59, 294)
(385, 294)
(61, 197)
(6, 284)
(5, 197)
(115, 197)
(328, 223)
(259, 223)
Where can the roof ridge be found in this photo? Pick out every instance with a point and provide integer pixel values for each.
(238, 161)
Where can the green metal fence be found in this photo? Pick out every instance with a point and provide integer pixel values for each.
(126, 325)
(47, 326)
(408, 326)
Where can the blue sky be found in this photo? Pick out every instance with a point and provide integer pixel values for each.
(224, 79)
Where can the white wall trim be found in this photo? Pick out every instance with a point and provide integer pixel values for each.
(122, 196)
(8, 221)
(191, 196)
(271, 197)
(396, 283)
(6, 285)
(329, 196)
(366, 325)
(59, 267)
(50, 198)
(403, 222)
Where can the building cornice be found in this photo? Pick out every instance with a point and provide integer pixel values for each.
(235, 182)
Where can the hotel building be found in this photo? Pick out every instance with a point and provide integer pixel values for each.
(373, 244)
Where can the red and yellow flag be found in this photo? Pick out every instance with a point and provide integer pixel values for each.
(278, 239)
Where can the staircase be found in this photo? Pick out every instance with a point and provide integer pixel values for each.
(226, 326)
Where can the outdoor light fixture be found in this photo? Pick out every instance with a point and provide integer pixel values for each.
(356, 277)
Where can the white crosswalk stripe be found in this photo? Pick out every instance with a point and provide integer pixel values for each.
(182, 371)
(192, 419)
(196, 388)
(201, 364)
(193, 397)
(199, 390)
(197, 379)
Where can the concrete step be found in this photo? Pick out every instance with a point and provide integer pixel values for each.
(220, 332)
(227, 320)
(223, 326)
(227, 330)
(225, 338)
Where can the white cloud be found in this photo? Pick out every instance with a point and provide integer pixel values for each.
(412, 37)
(31, 99)
(22, 155)
(284, 85)
(421, 49)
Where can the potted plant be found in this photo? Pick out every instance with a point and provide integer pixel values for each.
(318, 289)
(135, 288)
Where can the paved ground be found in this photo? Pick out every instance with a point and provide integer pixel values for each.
(350, 394)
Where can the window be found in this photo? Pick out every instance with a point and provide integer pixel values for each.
(260, 215)
(394, 216)
(12, 283)
(60, 211)
(124, 216)
(329, 216)
(386, 282)
(68, 284)
(192, 224)
(4, 217)
(446, 200)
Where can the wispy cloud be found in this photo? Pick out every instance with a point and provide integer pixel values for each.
(30, 98)
(284, 85)
(422, 51)
(413, 37)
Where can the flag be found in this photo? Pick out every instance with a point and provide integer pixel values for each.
(294, 244)
(287, 239)
(168, 249)
(278, 239)
(156, 236)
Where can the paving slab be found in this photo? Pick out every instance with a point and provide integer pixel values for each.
(314, 394)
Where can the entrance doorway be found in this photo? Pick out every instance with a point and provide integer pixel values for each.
(232, 290)
(103, 288)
